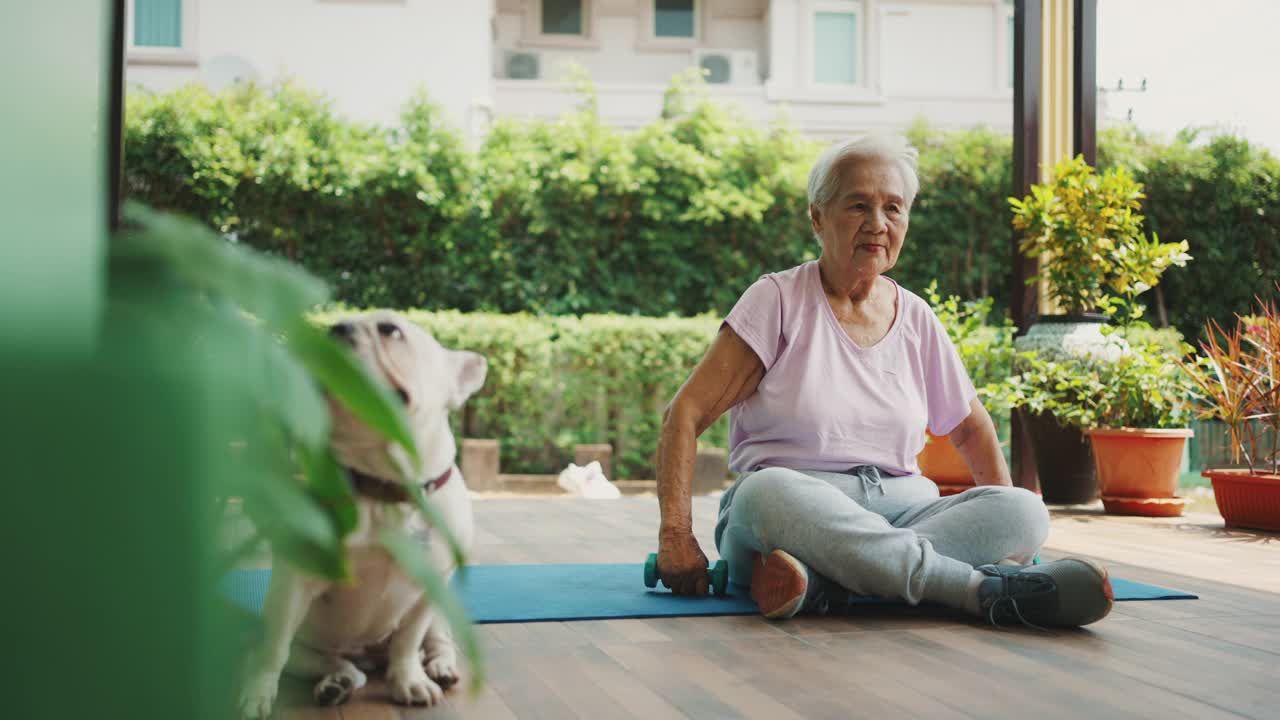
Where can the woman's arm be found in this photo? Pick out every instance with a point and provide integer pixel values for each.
(976, 439)
(727, 375)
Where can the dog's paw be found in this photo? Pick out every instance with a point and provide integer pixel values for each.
(336, 687)
(258, 695)
(444, 670)
(410, 685)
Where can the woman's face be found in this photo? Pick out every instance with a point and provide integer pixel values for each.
(863, 226)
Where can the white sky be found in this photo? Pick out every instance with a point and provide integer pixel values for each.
(1207, 62)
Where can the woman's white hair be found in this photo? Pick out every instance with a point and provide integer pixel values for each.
(825, 177)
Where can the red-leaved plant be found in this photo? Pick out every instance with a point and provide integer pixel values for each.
(1238, 379)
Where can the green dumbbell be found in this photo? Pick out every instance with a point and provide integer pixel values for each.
(717, 575)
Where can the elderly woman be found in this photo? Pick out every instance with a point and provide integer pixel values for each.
(833, 371)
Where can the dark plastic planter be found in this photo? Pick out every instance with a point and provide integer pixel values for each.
(1064, 460)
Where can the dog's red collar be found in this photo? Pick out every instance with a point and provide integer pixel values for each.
(391, 491)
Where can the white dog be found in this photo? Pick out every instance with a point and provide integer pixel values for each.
(314, 627)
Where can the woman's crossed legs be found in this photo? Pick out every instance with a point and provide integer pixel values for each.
(894, 537)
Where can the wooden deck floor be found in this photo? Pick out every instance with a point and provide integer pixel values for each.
(1216, 657)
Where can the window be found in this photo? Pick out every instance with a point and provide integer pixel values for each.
(835, 44)
(157, 23)
(161, 31)
(670, 25)
(562, 17)
(558, 24)
(674, 19)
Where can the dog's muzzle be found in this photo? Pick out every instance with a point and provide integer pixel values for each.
(345, 332)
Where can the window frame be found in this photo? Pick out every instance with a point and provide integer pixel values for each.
(185, 54)
(533, 37)
(647, 38)
(857, 8)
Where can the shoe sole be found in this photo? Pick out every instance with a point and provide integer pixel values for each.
(778, 584)
(1107, 590)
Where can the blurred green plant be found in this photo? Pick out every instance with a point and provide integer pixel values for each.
(246, 315)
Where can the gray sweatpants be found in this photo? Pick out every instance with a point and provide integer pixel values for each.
(876, 534)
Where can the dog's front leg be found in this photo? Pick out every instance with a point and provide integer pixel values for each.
(406, 679)
(289, 596)
(440, 654)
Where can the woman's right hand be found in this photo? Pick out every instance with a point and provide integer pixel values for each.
(682, 566)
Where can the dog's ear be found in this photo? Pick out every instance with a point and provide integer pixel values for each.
(469, 370)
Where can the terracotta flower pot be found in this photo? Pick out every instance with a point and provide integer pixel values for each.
(1146, 507)
(1138, 469)
(942, 463)
(1247, 500)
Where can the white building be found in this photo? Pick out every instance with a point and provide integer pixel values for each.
(836, 66)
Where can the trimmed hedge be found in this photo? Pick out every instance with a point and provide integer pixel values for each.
(556, 382)
(571, 216)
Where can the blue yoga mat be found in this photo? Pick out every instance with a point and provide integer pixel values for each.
(540, 593)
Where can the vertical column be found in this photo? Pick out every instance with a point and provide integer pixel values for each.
(1024, 300)
(1085, 80)
(1054, 118)
(1027, 134)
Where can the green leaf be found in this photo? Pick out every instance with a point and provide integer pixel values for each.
(269, 288)
(297, 525)
(437, 521)
(347, 380)
(330, 486)
(411, 556)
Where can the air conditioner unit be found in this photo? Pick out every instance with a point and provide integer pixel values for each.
(522, 65)
(729, 67)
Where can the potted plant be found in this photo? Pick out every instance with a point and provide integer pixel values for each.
(1055, 398)
(1085, 230)
(1142, 412)
(1237, 378)
(986, 351)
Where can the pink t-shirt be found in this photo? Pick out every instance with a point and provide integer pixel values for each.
(825, 403)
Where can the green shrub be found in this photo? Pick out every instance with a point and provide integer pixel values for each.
(555, 382)
(558, 381)
(370, 210)
(960, 233)
(571, 216)
(567, 216)
(986, 349)
(1223, 196)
